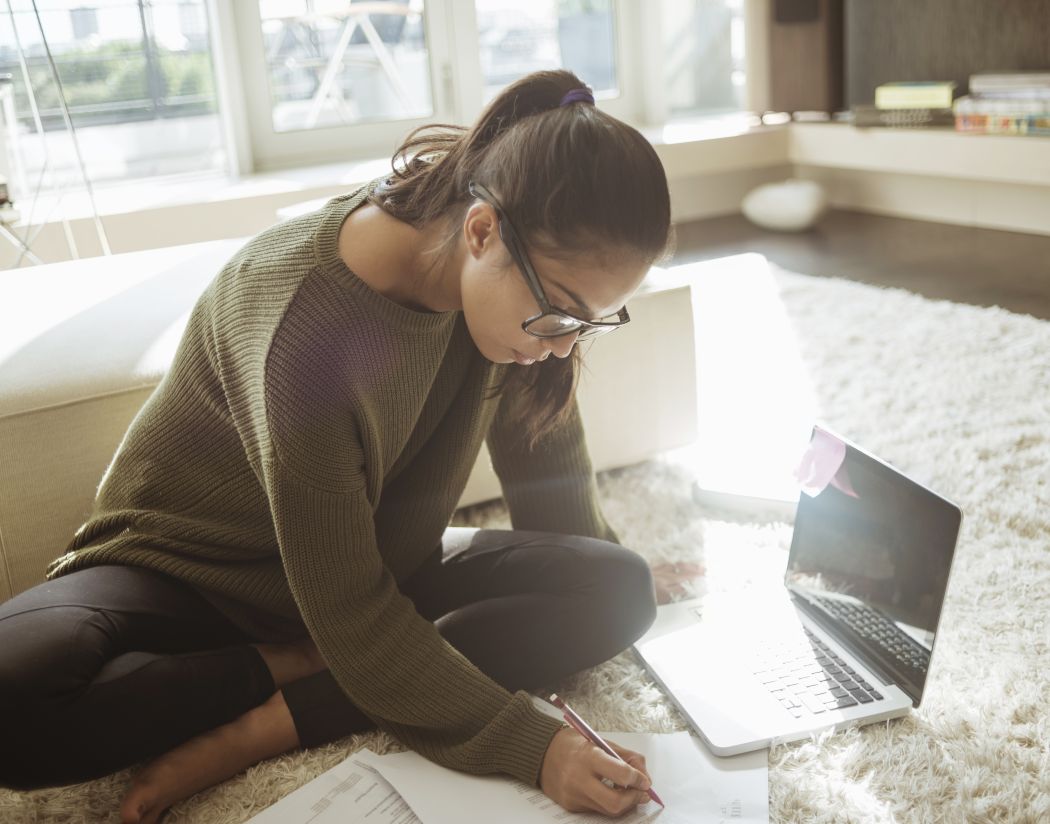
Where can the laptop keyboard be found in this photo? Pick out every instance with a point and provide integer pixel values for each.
(879, 630)
(807, 676)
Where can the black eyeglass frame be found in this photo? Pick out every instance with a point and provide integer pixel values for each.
(507, 233)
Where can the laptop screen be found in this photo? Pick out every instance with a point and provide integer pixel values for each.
(873, 550)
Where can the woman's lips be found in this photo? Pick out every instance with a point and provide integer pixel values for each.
(521, 359)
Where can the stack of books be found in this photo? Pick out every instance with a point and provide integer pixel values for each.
(909, 104)
(1016, 103)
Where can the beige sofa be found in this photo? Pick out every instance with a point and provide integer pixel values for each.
(84, 343)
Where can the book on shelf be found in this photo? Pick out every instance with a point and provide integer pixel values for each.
(1010, 84)
(865, 116)
(1006, 103)
(916, 94)
(970, 104)
(1035, 125)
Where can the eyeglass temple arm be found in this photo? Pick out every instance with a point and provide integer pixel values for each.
(510, 239)
(508, 234)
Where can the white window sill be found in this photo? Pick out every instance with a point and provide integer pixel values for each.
(158, 193)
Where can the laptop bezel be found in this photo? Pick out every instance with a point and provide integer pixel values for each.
(865, 652)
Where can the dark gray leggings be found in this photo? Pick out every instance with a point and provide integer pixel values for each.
(112, 665)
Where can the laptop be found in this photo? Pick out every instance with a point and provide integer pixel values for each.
(847, 639)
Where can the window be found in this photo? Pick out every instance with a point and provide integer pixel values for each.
(515, 39)
(331, 80)
(137, 77)
(162, 87)
(703, 56)
(331, 64)
(325, 82)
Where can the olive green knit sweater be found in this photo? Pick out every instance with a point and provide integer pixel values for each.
(303, 456)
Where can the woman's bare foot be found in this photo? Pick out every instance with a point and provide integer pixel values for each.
(669, 579)
(290, 662)
(208, 759)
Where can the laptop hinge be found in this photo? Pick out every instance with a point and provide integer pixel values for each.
(859, 647)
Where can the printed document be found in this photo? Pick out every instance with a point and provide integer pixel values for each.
(696, 786)
(349, 793)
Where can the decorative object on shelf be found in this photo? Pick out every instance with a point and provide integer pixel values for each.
(792, 205)
(908, 105)
(865, 115)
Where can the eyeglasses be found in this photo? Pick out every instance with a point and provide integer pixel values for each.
(551, 322)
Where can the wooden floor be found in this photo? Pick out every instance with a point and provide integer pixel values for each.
(985, 267)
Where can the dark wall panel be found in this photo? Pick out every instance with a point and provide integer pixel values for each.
(889, 40)
(805, 55)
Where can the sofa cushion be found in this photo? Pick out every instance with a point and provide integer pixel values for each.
(82, 345)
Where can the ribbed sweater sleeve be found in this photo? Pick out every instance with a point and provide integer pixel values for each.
(392, 663)
(551, 487)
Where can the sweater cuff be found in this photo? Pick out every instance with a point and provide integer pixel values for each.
(526, 747)
(568, 505)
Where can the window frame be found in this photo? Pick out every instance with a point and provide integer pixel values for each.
(456, 87)
(239, 27)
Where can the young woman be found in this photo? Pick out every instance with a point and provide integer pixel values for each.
(269, 565)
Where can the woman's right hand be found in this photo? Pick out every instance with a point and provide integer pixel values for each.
(573, 771)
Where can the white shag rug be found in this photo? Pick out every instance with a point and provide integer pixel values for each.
(957, 396)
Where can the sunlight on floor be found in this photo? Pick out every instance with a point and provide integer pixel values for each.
(756, 403)
(739, 556)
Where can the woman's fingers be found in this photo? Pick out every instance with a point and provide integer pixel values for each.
(582, 777)
(613, 800)
(621, 774)
(635, 759)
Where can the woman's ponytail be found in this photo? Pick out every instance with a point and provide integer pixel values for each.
(435, 162)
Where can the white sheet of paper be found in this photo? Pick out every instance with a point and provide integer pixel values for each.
(349, 793)
(696, 786)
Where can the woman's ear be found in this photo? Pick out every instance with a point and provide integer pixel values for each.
(480, 229)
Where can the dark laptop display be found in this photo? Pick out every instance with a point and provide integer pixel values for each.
(869, 561)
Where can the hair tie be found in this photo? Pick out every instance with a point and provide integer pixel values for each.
(577, 96)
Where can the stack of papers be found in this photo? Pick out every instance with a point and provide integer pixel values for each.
(405, 788)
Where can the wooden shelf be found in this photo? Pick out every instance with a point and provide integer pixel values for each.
(936, 152)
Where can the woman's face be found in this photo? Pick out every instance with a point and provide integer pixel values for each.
(497, 299)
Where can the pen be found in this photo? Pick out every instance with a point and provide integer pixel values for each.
(584, 729)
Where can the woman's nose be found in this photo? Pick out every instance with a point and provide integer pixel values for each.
(561, 346)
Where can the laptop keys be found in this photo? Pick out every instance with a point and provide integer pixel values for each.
(811, 703)
(809, 677)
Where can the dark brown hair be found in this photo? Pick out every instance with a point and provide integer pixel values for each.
(574, 180)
